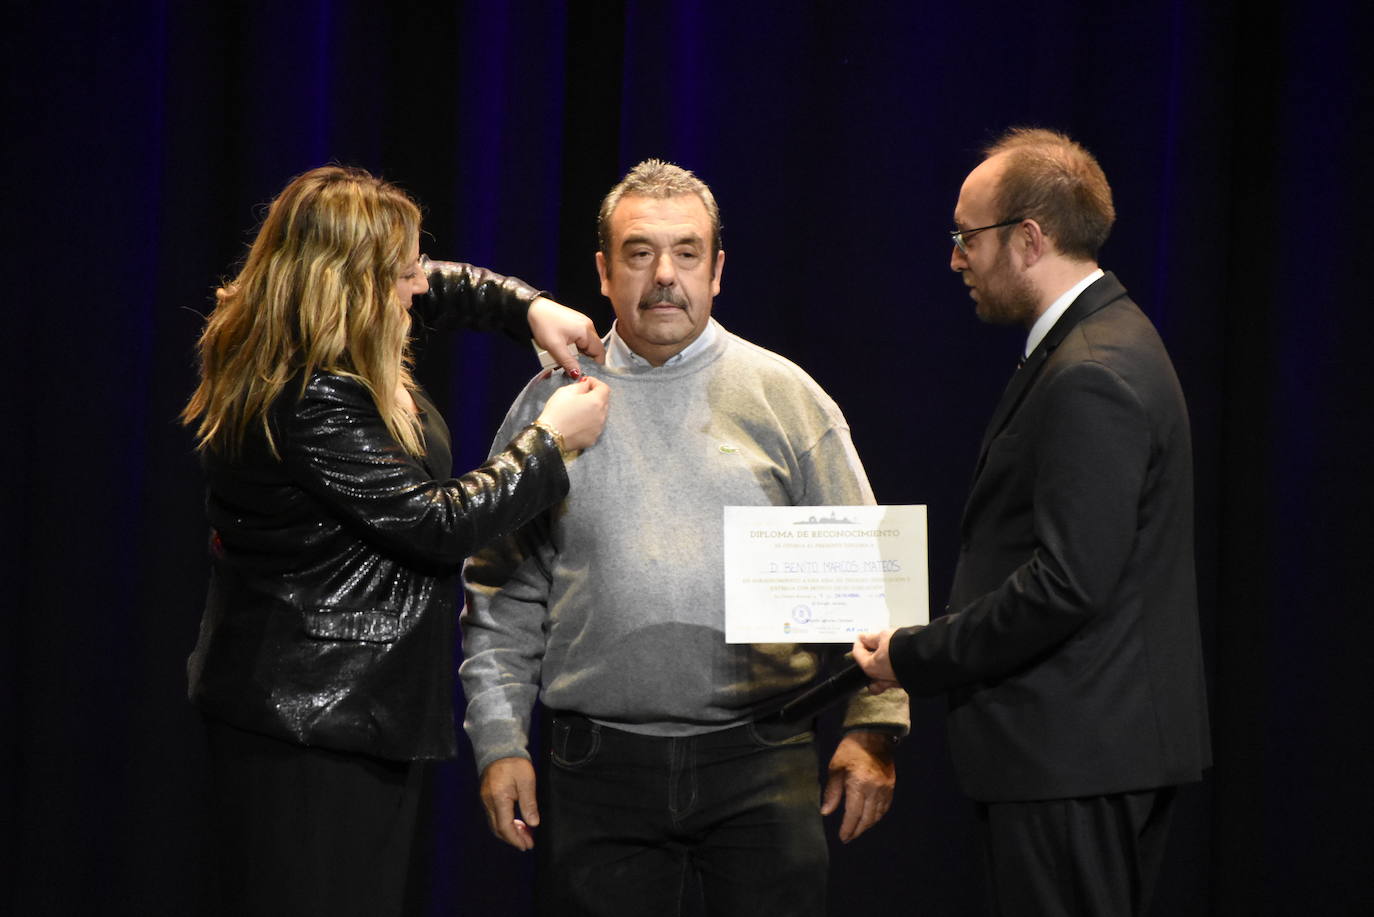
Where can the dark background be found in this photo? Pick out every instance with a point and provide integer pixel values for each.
(142, 140)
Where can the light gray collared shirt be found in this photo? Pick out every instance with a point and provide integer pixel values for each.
(620, 356)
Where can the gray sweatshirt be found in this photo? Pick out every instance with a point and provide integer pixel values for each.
(612, 604)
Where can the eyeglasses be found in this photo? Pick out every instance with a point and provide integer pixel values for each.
(960, 236)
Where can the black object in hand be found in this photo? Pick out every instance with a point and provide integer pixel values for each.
(839, 686)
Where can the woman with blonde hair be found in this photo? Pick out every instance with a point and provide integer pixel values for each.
(324, 666)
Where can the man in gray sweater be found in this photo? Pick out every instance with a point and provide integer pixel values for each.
(666, 772)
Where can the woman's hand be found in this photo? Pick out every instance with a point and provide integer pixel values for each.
(578, 412)
(559, 330)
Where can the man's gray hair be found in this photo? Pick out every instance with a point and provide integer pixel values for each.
(655, 178)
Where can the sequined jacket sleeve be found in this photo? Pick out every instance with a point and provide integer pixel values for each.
(336, 446)
(467, 296)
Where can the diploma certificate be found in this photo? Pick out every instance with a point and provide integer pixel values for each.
(823, 574)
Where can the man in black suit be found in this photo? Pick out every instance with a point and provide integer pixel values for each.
(1070, 651)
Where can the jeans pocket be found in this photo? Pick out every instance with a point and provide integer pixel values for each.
(574, 743)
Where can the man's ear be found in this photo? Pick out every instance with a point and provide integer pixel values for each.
(1032, 242)
(715, 274)
(603, 271)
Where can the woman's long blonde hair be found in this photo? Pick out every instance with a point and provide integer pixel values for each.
(317, 292)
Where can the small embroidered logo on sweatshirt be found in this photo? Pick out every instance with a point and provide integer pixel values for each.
(727, 449)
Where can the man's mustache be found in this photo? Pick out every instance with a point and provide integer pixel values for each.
(670, 295)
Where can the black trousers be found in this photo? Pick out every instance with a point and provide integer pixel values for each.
(307, 831)
(726, 823)
(1098, 855)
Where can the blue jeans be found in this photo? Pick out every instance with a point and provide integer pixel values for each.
(633, 824)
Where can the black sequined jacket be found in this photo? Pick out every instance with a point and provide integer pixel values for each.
(334, 582)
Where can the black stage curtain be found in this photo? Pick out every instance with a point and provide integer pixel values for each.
(143, 138)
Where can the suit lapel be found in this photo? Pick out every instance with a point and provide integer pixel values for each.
(1016, 389)
(1104, 290)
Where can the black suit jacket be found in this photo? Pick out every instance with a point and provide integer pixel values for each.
(1071, 652)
